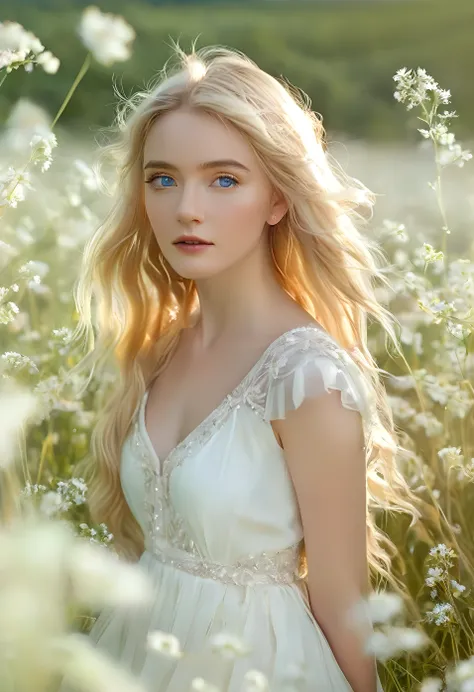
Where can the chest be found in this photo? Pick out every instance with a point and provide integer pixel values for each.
(186, 394)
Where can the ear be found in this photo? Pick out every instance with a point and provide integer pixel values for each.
(278, 209)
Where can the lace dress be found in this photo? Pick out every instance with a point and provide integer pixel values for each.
(223, 534)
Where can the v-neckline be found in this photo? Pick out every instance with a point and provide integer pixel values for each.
(186, 440)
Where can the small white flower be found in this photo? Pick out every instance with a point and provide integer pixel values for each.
(255, 681)
(107, 36)
(98, 577)
(380, 607)
(228, 646)
(392, 641)
(441, 614)
(41, 150)
(442, 550)
(431, 685)
(201, 685)
(49, 62)
(457, 588)
(164, 643)
(51, 504)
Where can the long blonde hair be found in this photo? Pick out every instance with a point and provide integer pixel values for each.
(319, 257)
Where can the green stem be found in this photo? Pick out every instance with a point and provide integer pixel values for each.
(3, 78)
(75, 84)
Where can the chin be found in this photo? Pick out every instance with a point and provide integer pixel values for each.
(187, 271)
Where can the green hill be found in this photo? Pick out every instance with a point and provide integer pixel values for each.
(342, 53)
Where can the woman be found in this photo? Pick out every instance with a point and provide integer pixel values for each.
(234, 456)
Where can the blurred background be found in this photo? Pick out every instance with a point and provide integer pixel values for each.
(342, 53)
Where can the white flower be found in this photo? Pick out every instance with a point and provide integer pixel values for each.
(380, 607)
(15, 410)
(164, 643)
(13, 185)
(98, 577)
(49, 62)
(457, 588)
(228, 645)
(201, 685)
(107, 36)
(51, 504)
(41, 150)
(435, 574)
(441, 614)
(394, 640)
(462, 677)
(255, 681)
(14, 37)
(431, 685)
(441, 550)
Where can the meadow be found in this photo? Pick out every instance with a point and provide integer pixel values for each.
(57, 567)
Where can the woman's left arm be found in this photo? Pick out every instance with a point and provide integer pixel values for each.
(324, 448)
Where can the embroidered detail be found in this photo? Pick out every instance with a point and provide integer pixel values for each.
(282, 567)
(167, 538)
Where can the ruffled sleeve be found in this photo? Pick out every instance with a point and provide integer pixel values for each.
(311, 365)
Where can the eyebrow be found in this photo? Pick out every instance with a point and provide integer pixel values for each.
(220, 163)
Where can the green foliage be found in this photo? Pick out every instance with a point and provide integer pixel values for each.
(342, 54)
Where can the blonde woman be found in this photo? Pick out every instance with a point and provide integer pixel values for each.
(248, 439)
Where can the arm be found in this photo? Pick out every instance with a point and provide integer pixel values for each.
(323, 445)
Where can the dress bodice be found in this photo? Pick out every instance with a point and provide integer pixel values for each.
(222, 504)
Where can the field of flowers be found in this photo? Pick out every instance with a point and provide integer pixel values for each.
(57, 569)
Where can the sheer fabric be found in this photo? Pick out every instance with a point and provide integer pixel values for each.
(223, 534)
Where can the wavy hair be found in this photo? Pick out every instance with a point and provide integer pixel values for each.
(319, 257)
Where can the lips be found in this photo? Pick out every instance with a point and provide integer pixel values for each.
(191, 240)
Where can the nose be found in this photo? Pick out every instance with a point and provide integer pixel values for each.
(189, 207)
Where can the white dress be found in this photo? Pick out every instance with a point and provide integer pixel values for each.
(223, 533)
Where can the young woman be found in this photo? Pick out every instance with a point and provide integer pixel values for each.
(248, 438)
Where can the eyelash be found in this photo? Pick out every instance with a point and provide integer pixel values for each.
(221, 175)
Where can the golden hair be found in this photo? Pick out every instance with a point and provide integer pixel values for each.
(319, 256)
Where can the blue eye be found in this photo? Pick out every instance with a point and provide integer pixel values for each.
(228, 177)
(151, 181)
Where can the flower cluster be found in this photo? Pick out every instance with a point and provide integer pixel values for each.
(107, 36)
(20, 47)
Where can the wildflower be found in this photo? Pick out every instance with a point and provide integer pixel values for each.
(164, 643)
(84, 667)
(392, 641)
(457, 588)
(431, 685)
(42, 147)
(99, 577)
(441, 614)
(462, 676)
(379, 607)
(228, 646)
(49, 62)
(441, 550)
(51, 504)
(432, 426)
(201, 685)
(451, 456)
(107, 36)
(15, 410)
(415, 87)
(13, 186)
(435, 574)
(21, 47)
(255, 681)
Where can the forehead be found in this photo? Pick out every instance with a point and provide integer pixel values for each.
(186, 137)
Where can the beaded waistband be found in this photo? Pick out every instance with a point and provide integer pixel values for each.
(282, 567)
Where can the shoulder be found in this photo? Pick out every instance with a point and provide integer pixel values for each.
(307, 364)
